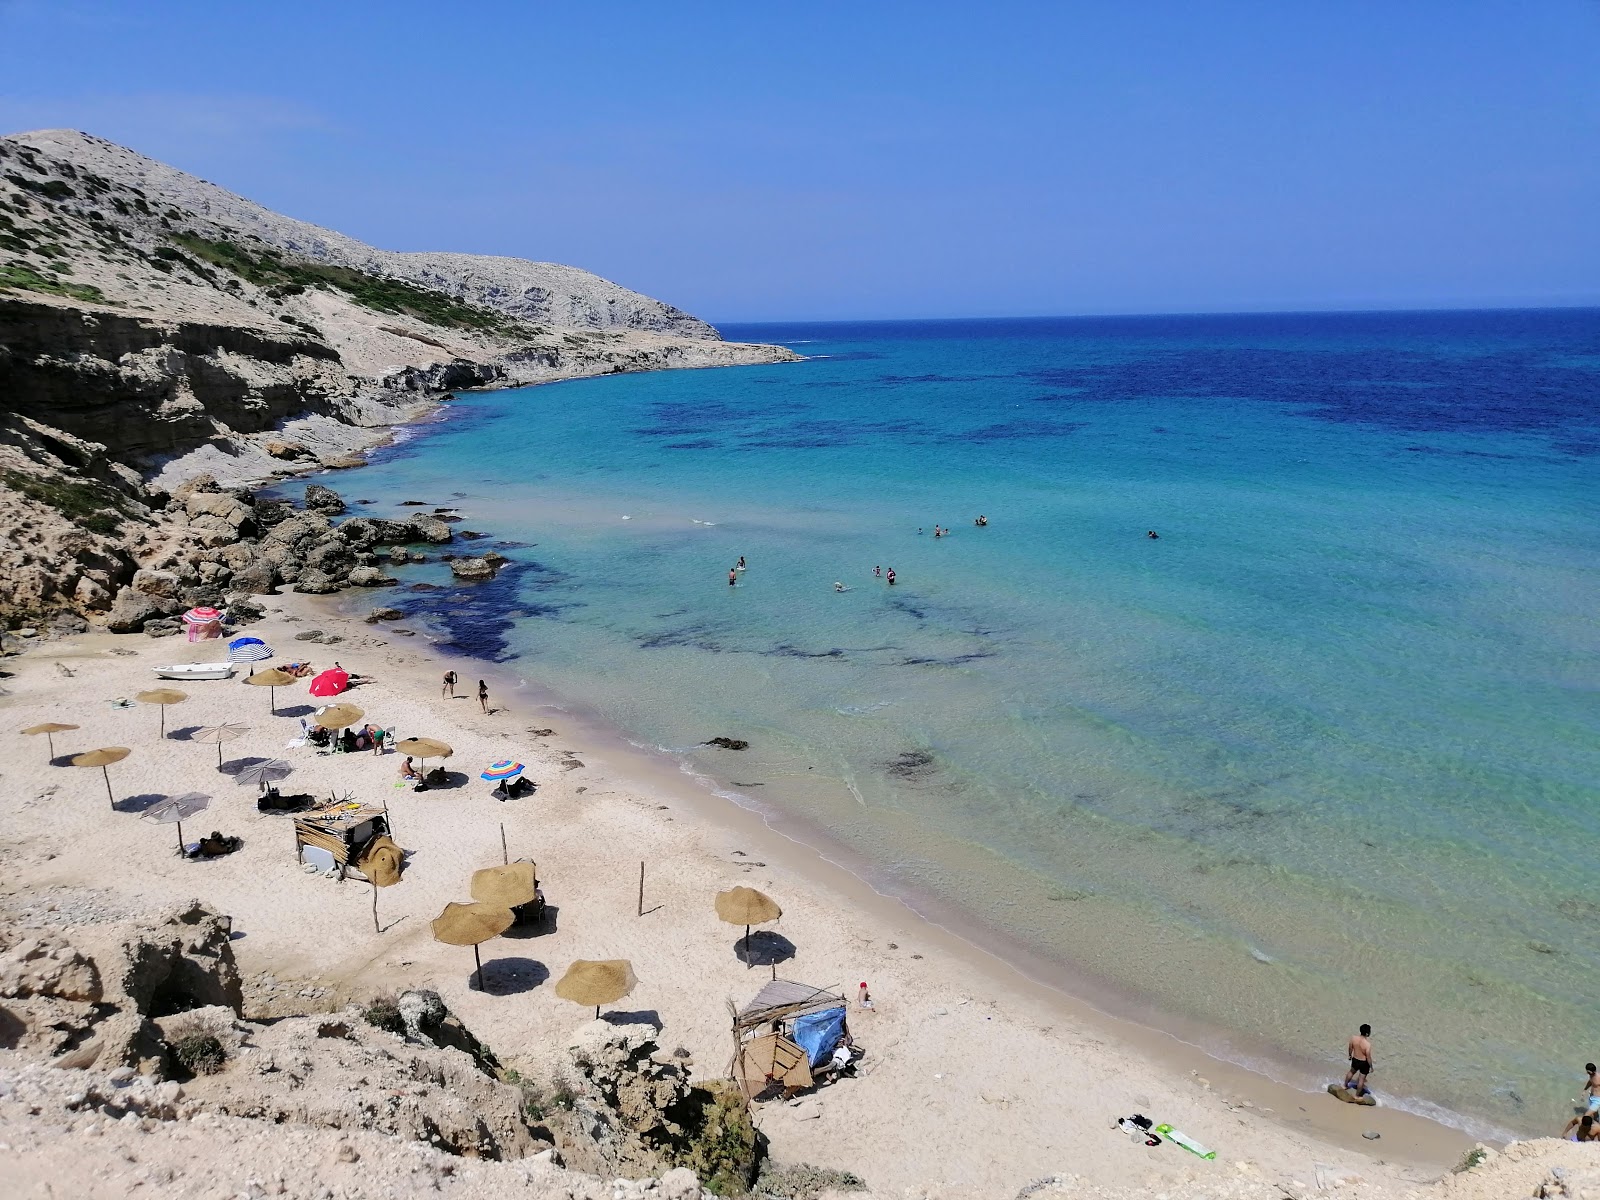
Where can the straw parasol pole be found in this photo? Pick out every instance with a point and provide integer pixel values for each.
(49, 729)
(163, 697)
(746, 906)
(103, 758)
(470, 924)
(272, 680)
(597, 982)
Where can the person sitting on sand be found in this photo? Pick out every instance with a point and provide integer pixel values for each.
(348, 742)
(216, 845)
(407, 771)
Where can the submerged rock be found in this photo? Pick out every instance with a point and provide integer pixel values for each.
(728, 743)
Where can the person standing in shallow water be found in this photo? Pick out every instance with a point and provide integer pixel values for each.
(1360, 1051)
(733, 576)
(890, 577)
(739, 566)
(877, 572)
(483, 695)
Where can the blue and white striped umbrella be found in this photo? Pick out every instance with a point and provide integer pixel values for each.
(248, 649)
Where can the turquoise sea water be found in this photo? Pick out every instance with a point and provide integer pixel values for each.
(1325, 752)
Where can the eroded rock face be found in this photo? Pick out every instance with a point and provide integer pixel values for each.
(339, 1072)
(93, 999)
(635, 1110)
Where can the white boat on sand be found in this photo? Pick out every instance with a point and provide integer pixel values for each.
(220, 670)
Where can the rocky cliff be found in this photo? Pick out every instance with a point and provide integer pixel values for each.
(154, 327)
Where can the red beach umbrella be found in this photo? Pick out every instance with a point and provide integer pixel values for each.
(331, 682)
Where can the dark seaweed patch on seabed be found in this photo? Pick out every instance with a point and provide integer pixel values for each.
(947, 660)
(475, 619)
(912, 766)
(787, 650)
(1411, 390)
(693, 637)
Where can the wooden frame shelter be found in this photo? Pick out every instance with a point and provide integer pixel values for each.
(344, 829)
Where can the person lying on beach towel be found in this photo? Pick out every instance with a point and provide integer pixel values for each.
(298, 669)
(216, 845)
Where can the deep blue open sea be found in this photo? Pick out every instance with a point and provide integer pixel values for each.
(1325, 752)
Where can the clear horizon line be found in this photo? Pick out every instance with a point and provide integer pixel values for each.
(1579, 305)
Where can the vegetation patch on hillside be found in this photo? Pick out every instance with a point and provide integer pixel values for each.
(88, 504)
(26, 278)
(285, 278)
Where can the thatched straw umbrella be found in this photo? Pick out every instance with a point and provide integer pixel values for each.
(746, 906)
(163, 697)
(604, 982)
(103, 758)
(506, 887)
(272, 680)
(470, 924)
(49, 729)
(337, 716)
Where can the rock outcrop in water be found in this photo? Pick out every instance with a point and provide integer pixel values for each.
(155, 327)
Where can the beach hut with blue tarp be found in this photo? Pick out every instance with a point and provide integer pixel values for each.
(786, 1037)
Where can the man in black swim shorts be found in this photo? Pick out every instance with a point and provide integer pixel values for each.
(1360, 1051)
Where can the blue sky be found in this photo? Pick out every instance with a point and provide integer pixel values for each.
(860, 160)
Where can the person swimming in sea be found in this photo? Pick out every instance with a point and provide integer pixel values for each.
(739, 566)
(1151, 533)
(982, 520)
(839, 587)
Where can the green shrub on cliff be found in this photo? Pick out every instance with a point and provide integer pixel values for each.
(30, 280)
(84, 502)
(284, 278)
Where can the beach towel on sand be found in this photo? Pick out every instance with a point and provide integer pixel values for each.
(1187, 1142)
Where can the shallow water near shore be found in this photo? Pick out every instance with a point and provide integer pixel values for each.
(1322, 753)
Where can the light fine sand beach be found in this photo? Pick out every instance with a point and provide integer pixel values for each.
(975, 1080)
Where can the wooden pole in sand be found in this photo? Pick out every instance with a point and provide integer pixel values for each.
(376, 928)
(505, 855)
(641, 889)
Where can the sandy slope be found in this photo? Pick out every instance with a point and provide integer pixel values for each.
(975, 1083)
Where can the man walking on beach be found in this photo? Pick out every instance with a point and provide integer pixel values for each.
(1591, 1090)
(1360, 1051)
(449, 685)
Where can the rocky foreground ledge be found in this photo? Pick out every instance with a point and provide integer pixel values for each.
(132, 1063)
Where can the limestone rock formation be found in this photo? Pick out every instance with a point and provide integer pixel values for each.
(154, 327)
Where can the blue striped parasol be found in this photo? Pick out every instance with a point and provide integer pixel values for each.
(504, 769)
(248, 650)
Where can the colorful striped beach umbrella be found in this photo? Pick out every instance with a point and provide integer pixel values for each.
(505, 769)
(202, 616)
(248, 650)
